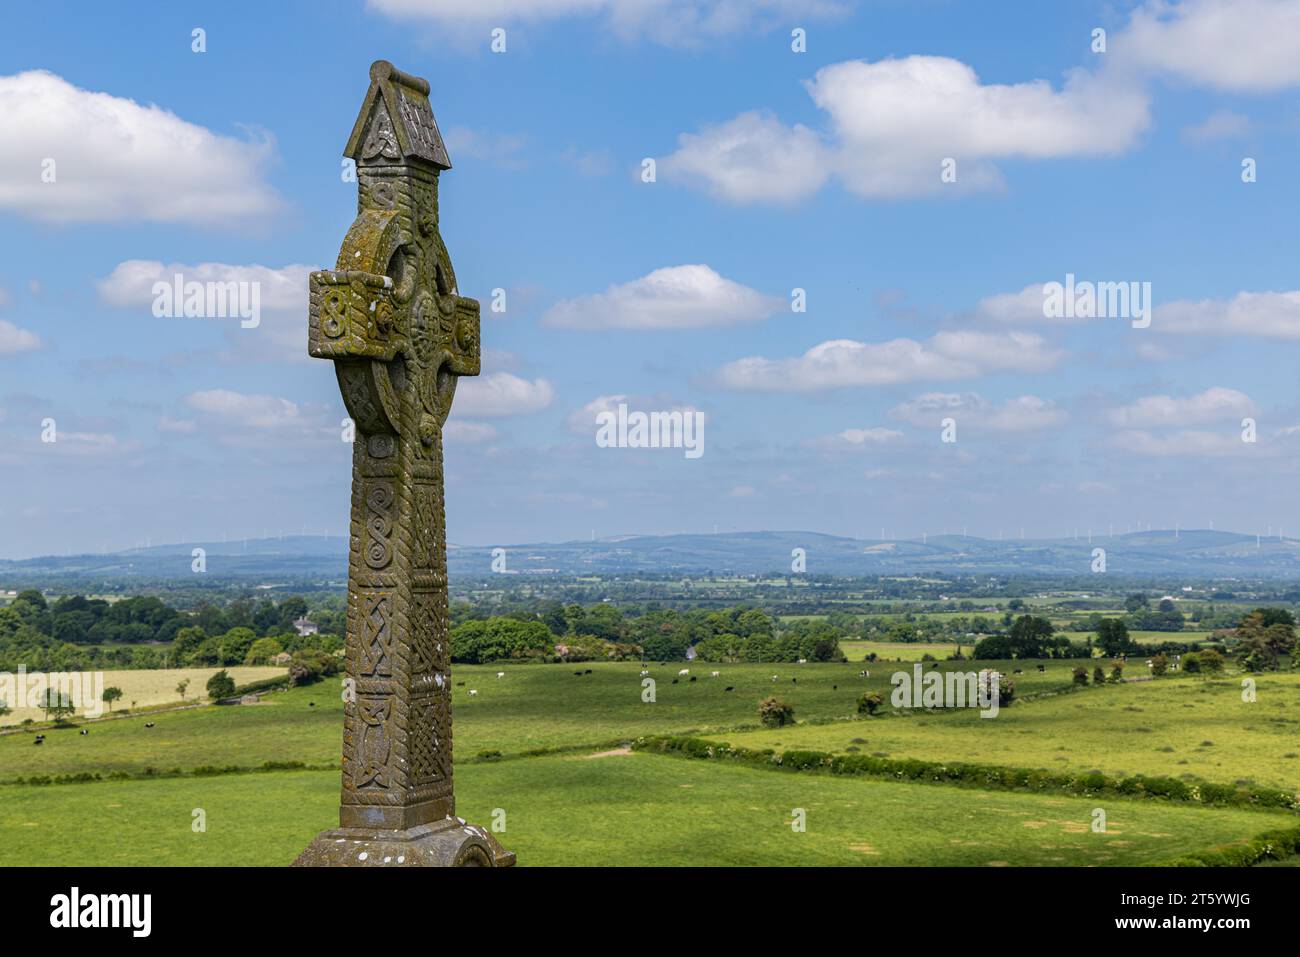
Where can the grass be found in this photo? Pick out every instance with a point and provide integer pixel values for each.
(532, 707)
(1175, 727)
(150, 687)
(619, 810)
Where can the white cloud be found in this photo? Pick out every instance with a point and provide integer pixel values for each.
(501, 394)
(1213, 405)
(1186, 442)
(178, 426)
(676, 297)
(846, 362)
(876, 436)
(118, 161)
(247, 410)
(893, 122)
(851, 439)
(500, 149)
(683, 23)
(1026, 413)
(1269, 315)
(469, 433)
(1219, 125)
(752, 158)
(1242, 46)
(897, 119)
(1023, 308)
(582, 421)
(88, 444)
(282, 292)
(14, 340)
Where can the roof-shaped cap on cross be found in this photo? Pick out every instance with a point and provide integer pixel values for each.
(396, 123)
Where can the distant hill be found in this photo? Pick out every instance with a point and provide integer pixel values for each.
(1197, 553)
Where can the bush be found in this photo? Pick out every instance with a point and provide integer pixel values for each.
(1098, 676)
(775, 713)
(500, 639)
(870, 702)
(1081, 676)
(262, 651)
(308, 667)
(1208, 662)
(1159, 665)
(1117, 673)
(221, 685)
(1006, 693)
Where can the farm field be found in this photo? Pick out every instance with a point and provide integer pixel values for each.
(1158, 637)
(1176, 727)
(908, 651)
(533, 706)
(619, 810)
(147, 688)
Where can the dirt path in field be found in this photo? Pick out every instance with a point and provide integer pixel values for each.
(608, 754)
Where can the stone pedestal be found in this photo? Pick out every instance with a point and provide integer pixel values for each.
(451, 843)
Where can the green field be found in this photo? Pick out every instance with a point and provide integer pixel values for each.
(617, 810)
(1175, 727)
(532, 707)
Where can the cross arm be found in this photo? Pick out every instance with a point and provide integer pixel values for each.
(350, 316)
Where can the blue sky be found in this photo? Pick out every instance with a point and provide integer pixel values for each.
(776, 170)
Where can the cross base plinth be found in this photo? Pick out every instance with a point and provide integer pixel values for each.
(449, 843)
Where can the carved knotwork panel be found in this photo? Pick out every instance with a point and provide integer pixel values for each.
(429, 739)
(376, 626)
(378, 549)
(375, 748)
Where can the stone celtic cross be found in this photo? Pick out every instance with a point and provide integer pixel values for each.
(399, 334)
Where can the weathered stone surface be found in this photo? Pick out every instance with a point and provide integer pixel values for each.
(399, 334)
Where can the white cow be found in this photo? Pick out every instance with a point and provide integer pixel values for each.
(472, 692)
(714, 674)
(684, 671)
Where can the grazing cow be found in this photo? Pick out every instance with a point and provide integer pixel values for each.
(794, 681)
(311, 704)
(39, 741)
(864, 674)
(148, 724)
(692, 677)
(587, 672)
(644, 672)
(84, 732)
(714, 674)
(684, 672)
(472, 692)
(501, 674)
(835, 687)
(803, 661)
(578, 673)
(460, 684)
(729, 688)
(1042, 668)
(675, 680)
(1017, 671)
(773, 677)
